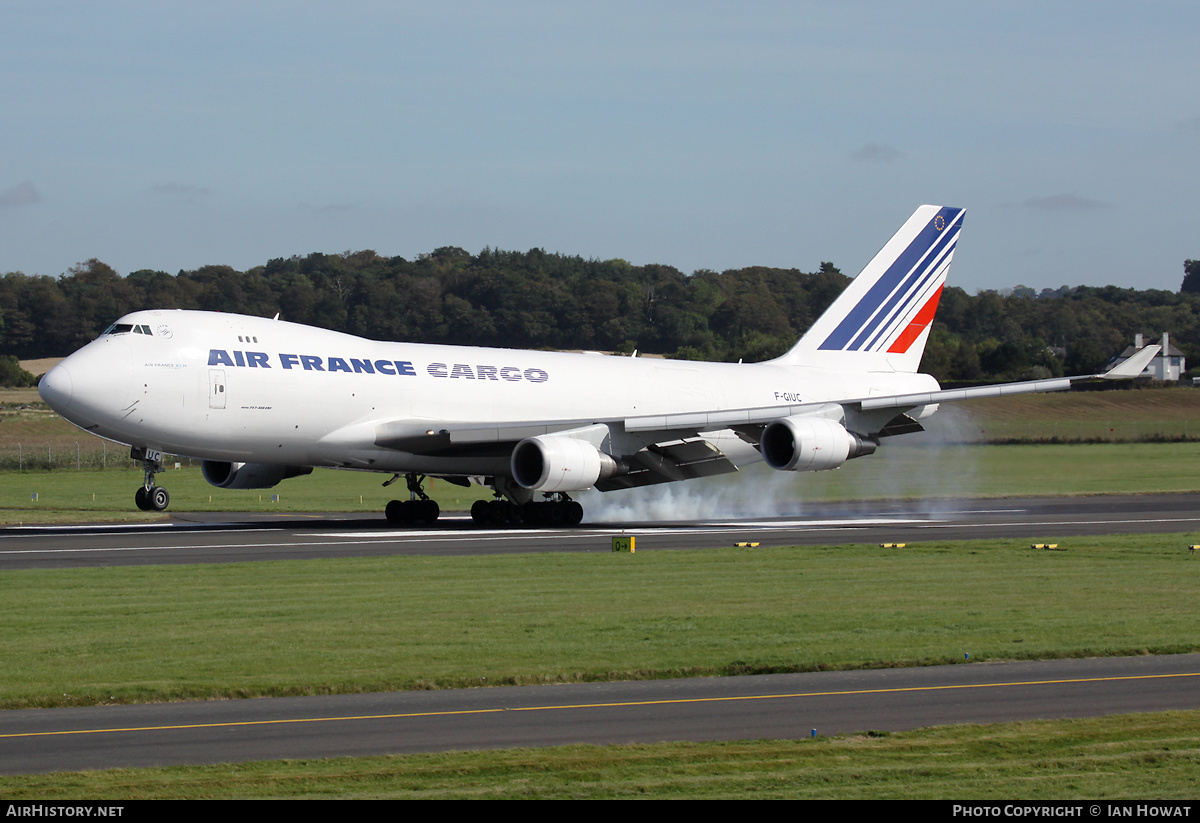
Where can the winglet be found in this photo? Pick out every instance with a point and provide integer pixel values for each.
(1133, 366)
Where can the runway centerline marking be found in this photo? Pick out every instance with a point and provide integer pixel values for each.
(321, 539)
(618, 704)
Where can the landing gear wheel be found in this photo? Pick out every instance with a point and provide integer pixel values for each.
(499, 512)
(397, 513)
(430, 511)
(159, 499)
(152, 500)
(531, 514)
(479, 512)
(552, 513)
(572, 513)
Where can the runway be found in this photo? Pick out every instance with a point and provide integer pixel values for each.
(769, 706)
(227, 538)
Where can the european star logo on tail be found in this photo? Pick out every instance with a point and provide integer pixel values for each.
(881, 321)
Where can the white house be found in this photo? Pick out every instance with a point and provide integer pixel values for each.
(1168, 365)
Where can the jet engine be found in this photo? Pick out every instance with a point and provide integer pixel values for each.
(551, 463)
(810, 444)
(248, 475)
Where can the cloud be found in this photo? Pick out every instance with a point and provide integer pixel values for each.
(22, 194)
(875, 153)
(1061, 202)
(1189, 126)
(328, 208)
(183, 191)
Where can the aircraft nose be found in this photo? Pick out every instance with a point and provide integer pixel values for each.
(55, 388)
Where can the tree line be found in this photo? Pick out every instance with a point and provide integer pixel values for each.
(536, 299)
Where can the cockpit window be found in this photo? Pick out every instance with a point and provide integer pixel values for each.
(126, 328)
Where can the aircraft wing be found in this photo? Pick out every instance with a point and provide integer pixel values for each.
(448, 437)
(675, 458)
(680, 449)
(757, 416)
(1124, 371)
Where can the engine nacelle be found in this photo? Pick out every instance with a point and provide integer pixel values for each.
(810, 444)
(552, 463)
(248, 475)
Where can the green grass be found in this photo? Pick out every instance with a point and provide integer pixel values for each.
(920, 471)
(895, 471)
(67, 496)
(912, 466)
(1134, 756)
(126, 634)
(1110, 416)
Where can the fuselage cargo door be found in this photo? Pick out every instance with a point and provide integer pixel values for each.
(216, 388)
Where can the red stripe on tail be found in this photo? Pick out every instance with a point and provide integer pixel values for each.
(919, 324)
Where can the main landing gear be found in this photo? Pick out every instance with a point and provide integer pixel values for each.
(150, 498)
(556, 510)
(419, 509)
(513, 506)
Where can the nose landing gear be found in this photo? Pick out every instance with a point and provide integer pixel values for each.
(150, 498)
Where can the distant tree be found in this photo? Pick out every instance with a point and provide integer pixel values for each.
(1087, 356)
(964, 365)
(1191, 276)
(12, 375)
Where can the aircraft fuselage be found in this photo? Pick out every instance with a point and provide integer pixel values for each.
(246, 389)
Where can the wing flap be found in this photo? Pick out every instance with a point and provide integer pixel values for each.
(667, 462)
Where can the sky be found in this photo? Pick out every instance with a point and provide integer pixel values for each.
(701, 135)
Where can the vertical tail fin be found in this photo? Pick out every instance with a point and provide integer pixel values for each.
(881, 321)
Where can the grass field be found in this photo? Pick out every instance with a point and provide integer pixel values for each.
(80, 636)
(146, 633)
(1095, 416)
(895, 471)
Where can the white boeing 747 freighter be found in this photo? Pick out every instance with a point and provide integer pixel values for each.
(260, 400)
